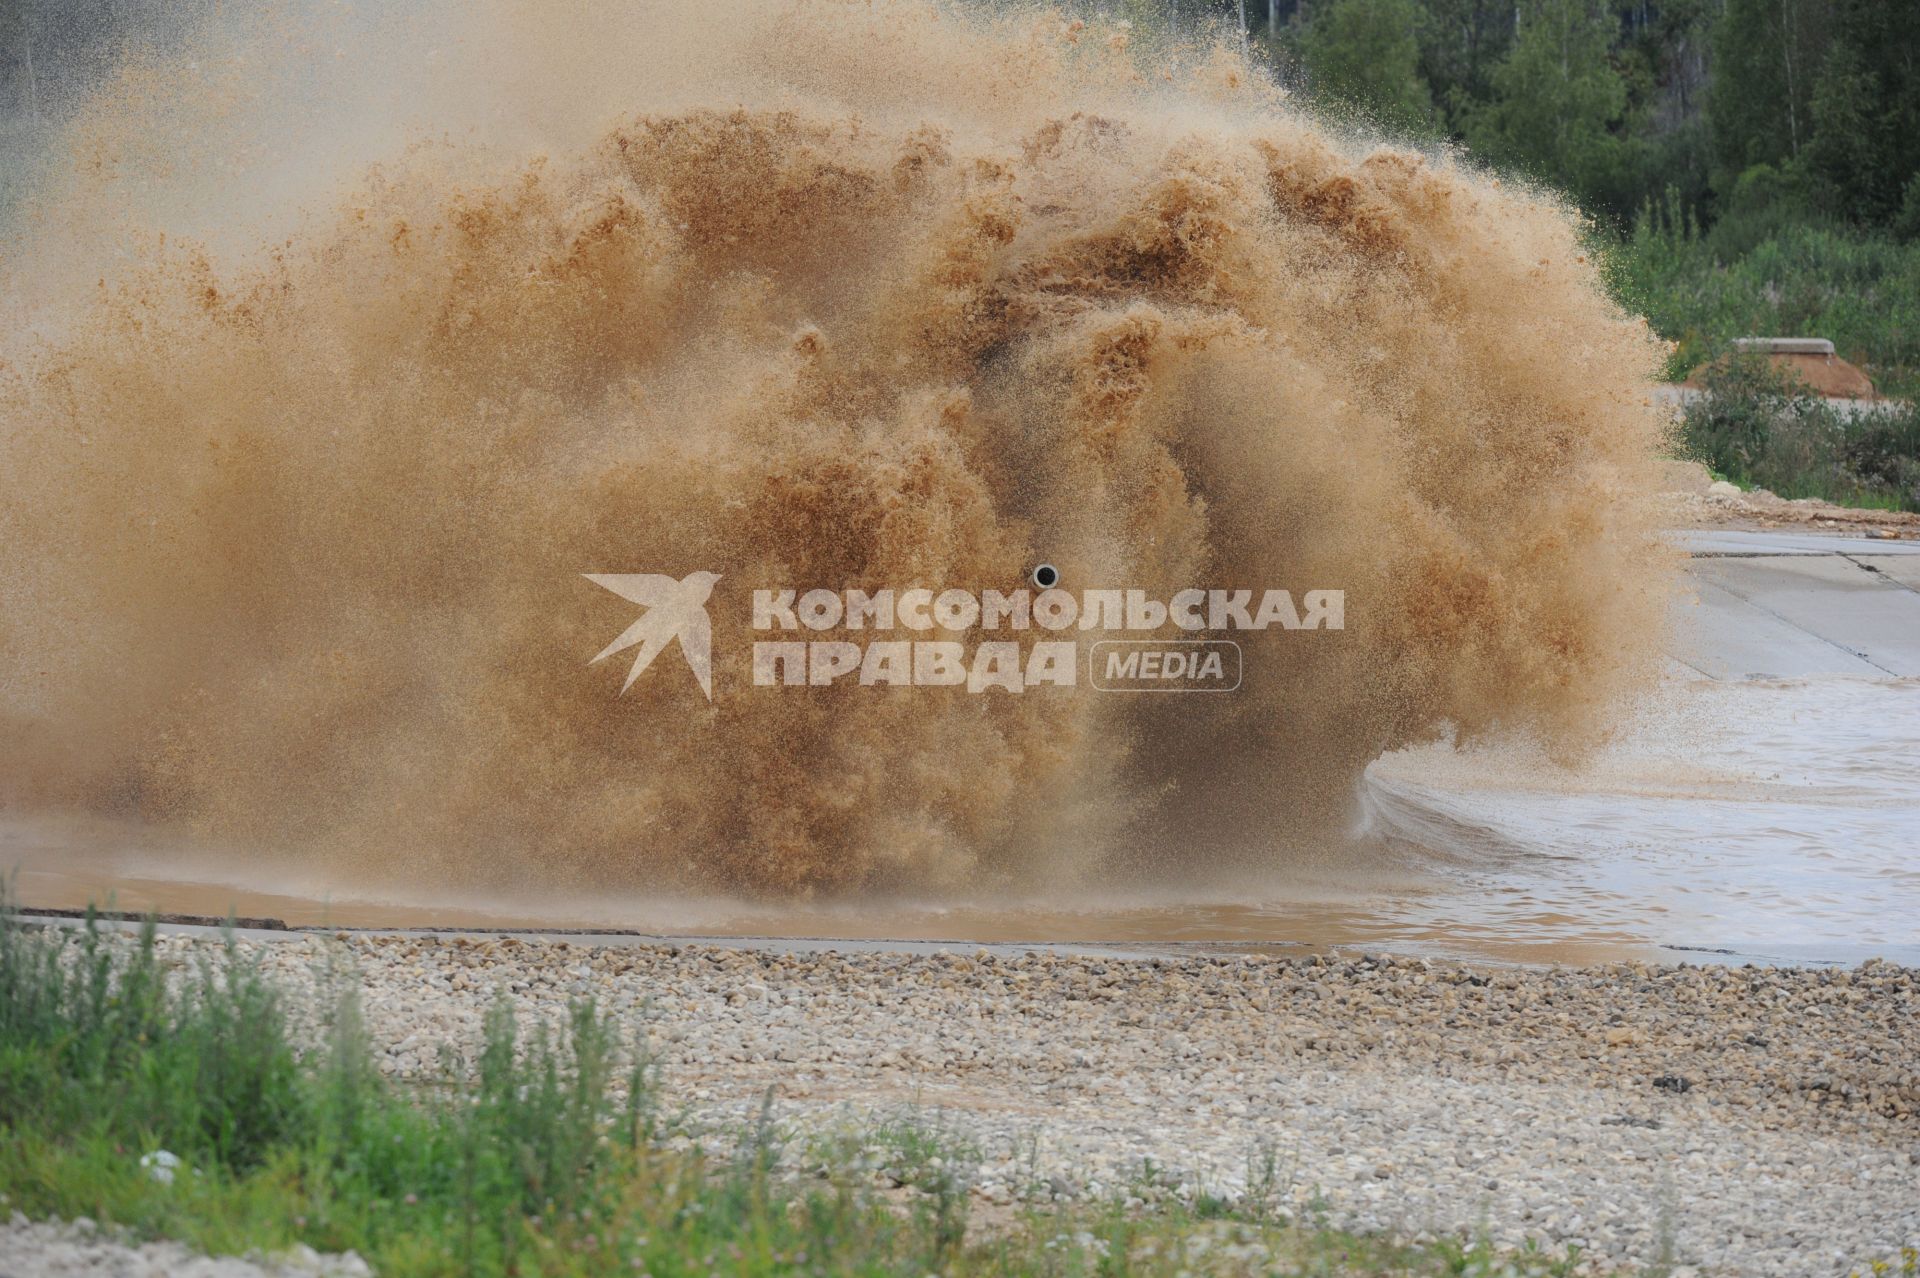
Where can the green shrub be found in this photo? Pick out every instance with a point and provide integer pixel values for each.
(1765, 204)
(1906, 223)
(1883, 450)
(103, 1059)
(1767, 430)
(95, 1041)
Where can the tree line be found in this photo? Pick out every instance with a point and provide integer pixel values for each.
(1765, 111)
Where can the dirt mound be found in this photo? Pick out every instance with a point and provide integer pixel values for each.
(1723, 505)
(1808, 361)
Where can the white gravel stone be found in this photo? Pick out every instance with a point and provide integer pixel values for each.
(77, 1249)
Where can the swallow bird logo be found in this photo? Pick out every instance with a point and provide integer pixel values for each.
(674, 610)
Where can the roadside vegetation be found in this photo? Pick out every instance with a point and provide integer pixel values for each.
(1751, 168)
(542, 1155)
(1702, 288)
(1762, 429)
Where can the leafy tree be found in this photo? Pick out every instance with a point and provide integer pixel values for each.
(1662, 56)
(1461, 42)
(1767, 56)
(1844, 150)
(1865, 144)
(1559, 98)
(1366, 52)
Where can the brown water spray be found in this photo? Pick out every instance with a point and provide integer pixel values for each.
(814, 295)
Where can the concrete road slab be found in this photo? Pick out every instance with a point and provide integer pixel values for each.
(1901, 569)
(1723, 636)
(1798, 614)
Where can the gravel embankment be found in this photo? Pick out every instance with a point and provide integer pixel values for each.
(77, 1249)
(1740, 1121)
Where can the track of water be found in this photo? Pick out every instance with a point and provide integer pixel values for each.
(813, 295)
(1770, 820)
(339, 346)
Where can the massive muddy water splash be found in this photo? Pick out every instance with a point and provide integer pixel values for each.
(308, 437)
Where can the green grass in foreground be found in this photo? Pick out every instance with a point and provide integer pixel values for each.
(542, 1156)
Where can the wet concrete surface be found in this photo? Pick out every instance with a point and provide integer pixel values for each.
(1794, 605)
